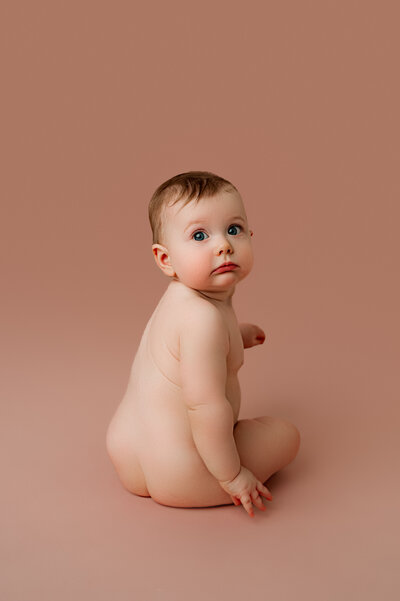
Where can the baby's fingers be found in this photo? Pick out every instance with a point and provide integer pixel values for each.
(264, 491)
(257, 500)
(247, 504)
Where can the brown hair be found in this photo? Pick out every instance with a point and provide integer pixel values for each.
(192, 185)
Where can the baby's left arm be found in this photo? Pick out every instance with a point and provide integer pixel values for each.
(251, 334)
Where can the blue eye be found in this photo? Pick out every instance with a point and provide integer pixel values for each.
(234, 226)
(199, 239)
(200, 233)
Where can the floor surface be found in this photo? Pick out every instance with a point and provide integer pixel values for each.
(70, 530)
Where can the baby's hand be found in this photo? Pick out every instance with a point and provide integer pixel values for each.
(251, 334)
(246, 489)
(257, 335)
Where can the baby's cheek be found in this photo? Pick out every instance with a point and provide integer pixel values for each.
(197, 265)
(205, 266)
(192, 268)
(200, 274)
(248, 259)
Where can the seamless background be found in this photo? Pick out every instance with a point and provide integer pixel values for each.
(295, 102)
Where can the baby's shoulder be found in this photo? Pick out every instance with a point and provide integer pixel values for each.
(199, 317)
(189, 316)
(186, 307)
(184, 304)
(203, 311)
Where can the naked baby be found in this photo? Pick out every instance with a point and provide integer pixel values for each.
(176, 436)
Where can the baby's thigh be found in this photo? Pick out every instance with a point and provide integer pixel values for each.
(179, 478)
(266, 444)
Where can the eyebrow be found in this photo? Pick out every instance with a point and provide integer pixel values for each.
(200, 221)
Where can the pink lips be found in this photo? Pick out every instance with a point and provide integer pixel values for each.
(225, 267)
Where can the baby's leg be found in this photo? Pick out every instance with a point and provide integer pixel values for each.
(265, 445)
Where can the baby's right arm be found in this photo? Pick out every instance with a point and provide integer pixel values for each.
(204, 346)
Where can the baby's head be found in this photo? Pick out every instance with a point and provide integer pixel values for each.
(199, 222)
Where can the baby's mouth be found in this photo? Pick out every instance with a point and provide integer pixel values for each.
(226, 267)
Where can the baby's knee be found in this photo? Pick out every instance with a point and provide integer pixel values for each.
(284, 431)
(292, 435)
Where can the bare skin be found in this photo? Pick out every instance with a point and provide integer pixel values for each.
(176, 435)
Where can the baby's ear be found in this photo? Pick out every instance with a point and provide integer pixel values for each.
(163, 260)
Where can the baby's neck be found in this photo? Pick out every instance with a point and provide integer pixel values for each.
(223, 298)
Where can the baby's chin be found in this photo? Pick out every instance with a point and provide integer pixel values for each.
(214, 282)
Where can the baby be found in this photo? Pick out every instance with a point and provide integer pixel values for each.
(176, 436)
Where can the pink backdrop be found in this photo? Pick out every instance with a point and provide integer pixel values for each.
(297, 104)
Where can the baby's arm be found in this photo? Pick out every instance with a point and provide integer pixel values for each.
(251, 334)
(204, 346)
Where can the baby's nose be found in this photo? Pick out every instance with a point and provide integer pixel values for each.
(224, 246)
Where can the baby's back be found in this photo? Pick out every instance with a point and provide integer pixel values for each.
(153, 414)
(152, 409)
